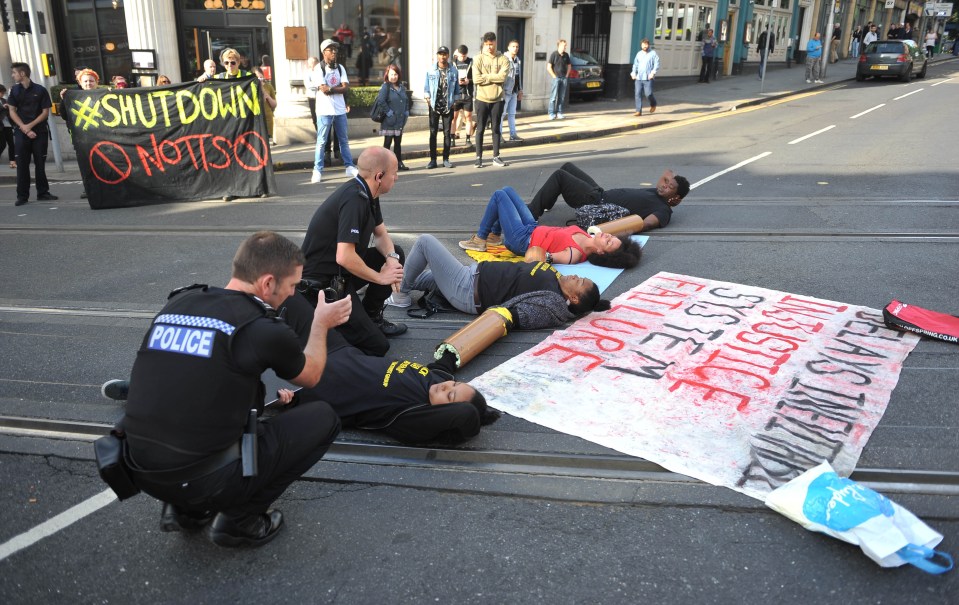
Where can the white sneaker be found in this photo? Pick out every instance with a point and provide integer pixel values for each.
(398, 299)
(317, 176)
(808, 81)
(351, 171)
(819, 82)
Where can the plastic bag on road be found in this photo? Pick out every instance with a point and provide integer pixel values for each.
(822, 501)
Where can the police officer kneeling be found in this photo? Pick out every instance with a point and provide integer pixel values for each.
(196, 378)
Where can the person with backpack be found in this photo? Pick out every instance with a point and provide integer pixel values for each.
(331, 111)
(654, 204)
(507, 216)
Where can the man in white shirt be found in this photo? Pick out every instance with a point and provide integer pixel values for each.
(331, 109)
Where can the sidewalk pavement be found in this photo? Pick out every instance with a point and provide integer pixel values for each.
(679, 98)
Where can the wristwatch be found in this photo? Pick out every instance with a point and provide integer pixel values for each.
(394, 255)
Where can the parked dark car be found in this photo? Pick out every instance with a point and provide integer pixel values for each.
(586, 78)
(899, 58)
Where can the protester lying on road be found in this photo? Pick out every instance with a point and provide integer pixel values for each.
(507, 216)
(411, 402)
(535, 293)
(654, 204)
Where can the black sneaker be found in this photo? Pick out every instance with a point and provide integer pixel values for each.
(431, 165)
(478, 163)
(20, 201)
(47, 197)
(251, 530)
(174, 519)
(115, 389)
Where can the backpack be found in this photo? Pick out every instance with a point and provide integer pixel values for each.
(595, 214)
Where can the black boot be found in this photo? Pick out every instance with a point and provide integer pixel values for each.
(387, 327)
(174, 519)
(248, 530)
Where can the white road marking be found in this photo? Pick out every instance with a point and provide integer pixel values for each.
(730, 169)
(943, 82)
(909, 93)
(61, 521)
(810, 135)
(867, 111)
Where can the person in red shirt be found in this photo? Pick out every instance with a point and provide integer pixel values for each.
(508, 217)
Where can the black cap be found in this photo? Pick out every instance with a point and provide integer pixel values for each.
(442, 50)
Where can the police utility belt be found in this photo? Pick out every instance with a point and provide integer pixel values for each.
(118, 469)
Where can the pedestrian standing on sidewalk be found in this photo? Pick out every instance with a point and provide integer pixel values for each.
(6, 128)
(512, 90)
(559, 66)
(708, 55)
(331, 110)
(856, 41)
(396, 101)
(870, 36)
(834, 44)
(441, 89)
(463, 106)
(766, 36)
(312, 83)
(930, 42)
(814, 59)
(645, 66)
(29, 107)
(489, 73)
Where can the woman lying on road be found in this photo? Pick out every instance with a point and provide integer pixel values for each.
(413, 403)
(534, 292)
(506, 214)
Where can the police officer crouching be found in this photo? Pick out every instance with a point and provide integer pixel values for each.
(196, 379)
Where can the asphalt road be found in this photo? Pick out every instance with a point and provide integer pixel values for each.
(847, 193)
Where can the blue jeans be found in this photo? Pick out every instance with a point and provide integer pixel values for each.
(510, 112)
(557, 96)
(643, 88)
(323, 125)
(453, 278)
(507, 213)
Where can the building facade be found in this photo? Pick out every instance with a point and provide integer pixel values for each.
(141, 39)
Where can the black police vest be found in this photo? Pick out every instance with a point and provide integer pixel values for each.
(186, 390)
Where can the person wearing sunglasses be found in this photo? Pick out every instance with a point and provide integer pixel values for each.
(230, 59)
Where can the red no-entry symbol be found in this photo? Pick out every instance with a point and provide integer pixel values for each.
(109, 163)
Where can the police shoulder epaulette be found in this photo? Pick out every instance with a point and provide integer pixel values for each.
(185, 288)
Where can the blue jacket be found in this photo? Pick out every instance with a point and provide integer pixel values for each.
(397, 105)
(432, 85)
(814, 49)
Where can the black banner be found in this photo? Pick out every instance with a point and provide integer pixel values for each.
(184, 142)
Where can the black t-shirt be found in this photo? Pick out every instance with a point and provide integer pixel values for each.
(349, 215)
(499, 282)
(442, 91)
(197, 374)
(29, 102)
(642, 202)
(560, 63)
(465, 67)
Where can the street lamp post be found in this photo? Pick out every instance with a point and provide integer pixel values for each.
(827, 50)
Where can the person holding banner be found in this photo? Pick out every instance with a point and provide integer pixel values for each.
(331, 110)
(536, 294)
(209, 71)
(231, 58)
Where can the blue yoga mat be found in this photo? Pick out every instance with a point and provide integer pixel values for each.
(601, 276)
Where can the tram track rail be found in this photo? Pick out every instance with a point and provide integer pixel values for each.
(523, 464)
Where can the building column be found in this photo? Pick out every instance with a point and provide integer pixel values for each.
(146, 21)
(620, 60)
(291, 118)
(430, 27)
(846, 37)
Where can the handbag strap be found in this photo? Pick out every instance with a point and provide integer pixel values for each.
(926, 558)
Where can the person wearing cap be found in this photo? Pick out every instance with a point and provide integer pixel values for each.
(331, 110)
(441, 88)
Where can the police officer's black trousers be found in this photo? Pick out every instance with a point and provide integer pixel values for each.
(288, 445)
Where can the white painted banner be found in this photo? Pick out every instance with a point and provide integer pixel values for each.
(734, 385)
